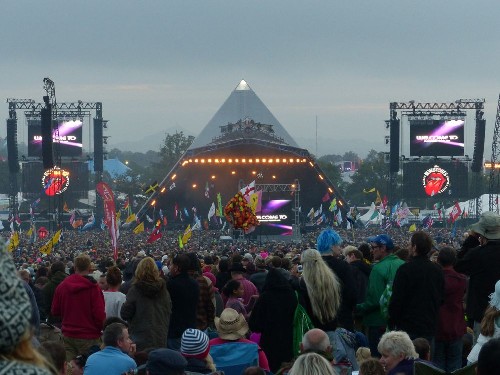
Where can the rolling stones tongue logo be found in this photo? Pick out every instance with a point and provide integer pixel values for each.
(55, 181)
(435, 181)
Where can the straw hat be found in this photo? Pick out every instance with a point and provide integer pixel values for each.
(231, 325)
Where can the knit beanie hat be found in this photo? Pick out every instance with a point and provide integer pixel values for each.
(15, 306)
(194, 343)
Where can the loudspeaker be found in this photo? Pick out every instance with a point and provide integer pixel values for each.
(394, 146)
(46, 130)
(477, 157)
(98, 146)
(12, 154)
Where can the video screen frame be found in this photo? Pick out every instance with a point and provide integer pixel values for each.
(69, 142)
(437, 137)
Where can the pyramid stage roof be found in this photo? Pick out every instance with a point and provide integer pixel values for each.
(244, 142)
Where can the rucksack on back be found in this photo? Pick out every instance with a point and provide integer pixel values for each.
(301, 324)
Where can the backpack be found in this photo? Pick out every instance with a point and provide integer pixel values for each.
(234, 357)
(301, 324)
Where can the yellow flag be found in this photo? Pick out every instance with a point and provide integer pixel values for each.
(187, 235)
(14, 242)
(254, 199)
(140, 228)
(47, 248)
(181, 245)
(378, 200)
(29, 232)
(372, 190)
(412, 228)
(130, 218)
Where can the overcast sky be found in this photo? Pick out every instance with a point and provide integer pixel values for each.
(161, 64)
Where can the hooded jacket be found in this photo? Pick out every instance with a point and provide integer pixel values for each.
(147, 310)
(79, 301)
(48, 294)
(273, 315)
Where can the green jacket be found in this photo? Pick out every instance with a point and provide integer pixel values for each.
(382, 272)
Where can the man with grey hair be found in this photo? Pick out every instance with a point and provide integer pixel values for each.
(317, 341)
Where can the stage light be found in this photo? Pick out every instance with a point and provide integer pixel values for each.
(270, 161)
(233, 172)
(153, 202)
(190, 160)
(213, 177)
(277, 160)
(202, 161)
(264, 160)
(209, 160)
(163, 189)
(194, 186)
(236, 160)
(223, 160)
(196, 160)
(284, 160)
(297, 160)
(330, 190)
(184, 163)
(340, 203)
(174, 176)
(274, 177)
(291, 160)
(304, 160)
(216, 160)
(230, 160)
(311, 164)
(254, 172)
(250, 160)
(292, 186)
(321, 177)
(243, 160)
(257, 160)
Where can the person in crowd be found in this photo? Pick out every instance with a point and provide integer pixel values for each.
(80, 304)
(248, 262)
(259, 276)
(233, 292)
(101, 281)
(382, 274)
(451, 322)
(490, 324)
(328, 244)
(311, 364)
(362, 354)
(254, 370)
(216, 297)
(488, 361)
(37, 294)
(55, 354)
(371, 366)
(56, 276)
(249, 289)
(148, 307)
(184, 292)
(417, 292)
(423, 348)
(195, 348)
(165, 361)
(319, 291)
(223, 275)
(361, 272)
(397, 353)
(272, 316)
(113, 298)
(205, 310)
(482, 265)
(365, 249)
(232, 328)
(114, 359)
(17, 354)
(35, 312)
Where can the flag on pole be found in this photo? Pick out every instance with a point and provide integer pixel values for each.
(247, 190)
(256, 201)
(181, 245)
(13, 242)
(131, 218)
(187, 234)
(366, 191)
(220, 212)
(326, 197)
(139, 228)
(47, 248)
(211, 211)
(455, 212)
(412, 228)
(65, 207)
(155, 234)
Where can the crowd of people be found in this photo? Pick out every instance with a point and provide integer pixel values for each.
(378, 303)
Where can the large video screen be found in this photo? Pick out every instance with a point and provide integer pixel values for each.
(437, 137)
(438, 179)
(67, 140)
(276, 218)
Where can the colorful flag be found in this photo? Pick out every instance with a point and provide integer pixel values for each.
(211, 211)
(155, 234)
(220, 213)
(47, 248)
(333, 205)
(140, 228)
(109, 219)
(247, 190)
(412, 228)
(366, 191)
(181, 245)
(207, 190)
(455, 212)
(187, 234)
(126, 204)
(378, 200)
(13, 242)
(427, 222)
(90, 222)
(65, 207)
(255, 201)
(131, 218)
(326, 197)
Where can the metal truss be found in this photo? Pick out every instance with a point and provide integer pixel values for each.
(457, 104)
(494, 183)
(31, 104)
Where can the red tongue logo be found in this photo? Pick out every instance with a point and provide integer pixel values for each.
(435, 181)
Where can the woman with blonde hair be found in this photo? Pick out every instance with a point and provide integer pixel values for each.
(397, 353)
(148, 307)
(311, 364)
(319, 291)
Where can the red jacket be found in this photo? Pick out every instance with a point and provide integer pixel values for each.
(451, 323)
(79, 301)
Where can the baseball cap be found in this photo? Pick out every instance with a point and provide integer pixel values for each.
(382, 239)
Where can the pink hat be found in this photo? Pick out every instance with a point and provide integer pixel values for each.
(264, 254)
(212, 278)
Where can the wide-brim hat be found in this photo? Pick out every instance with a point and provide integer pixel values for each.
(231, 325)
(488, 226)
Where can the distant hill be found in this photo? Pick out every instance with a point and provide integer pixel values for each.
(148, 142)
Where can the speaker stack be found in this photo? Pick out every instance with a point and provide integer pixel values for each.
(12, 152)
(394, 146)
(477, 157)
(46, 129)
(98, 146)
